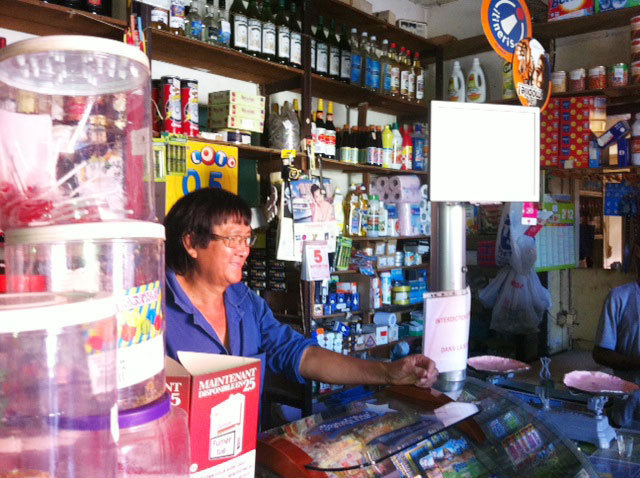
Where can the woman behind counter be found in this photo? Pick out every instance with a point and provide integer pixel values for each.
(209, 310)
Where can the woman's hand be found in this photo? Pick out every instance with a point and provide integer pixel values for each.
(415, 370)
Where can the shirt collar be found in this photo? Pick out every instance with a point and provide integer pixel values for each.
(234, 294)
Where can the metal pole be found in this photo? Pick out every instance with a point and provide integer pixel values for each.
(448, 269)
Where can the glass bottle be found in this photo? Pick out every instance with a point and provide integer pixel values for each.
(176, 17)
(254, 29)
(194, 23)
(404, 74)
(73, 3)
(295, 48)
(419, 75)
(330, 133)
(268, 32)
(320, 130)
(364, 52)
(211, 23)
(334, 52)
(224, 26)
(322, 49)
(356, 58)
(283, 35)
(95, 6)
(239, 27)
(345, 56)
(374, 56)
(395, 71)
(411, 85)
(385, 69)
(160, 18)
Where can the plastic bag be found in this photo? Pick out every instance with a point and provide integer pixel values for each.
(518, 298)
(284, 128)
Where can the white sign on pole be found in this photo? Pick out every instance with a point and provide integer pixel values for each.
(446, 328)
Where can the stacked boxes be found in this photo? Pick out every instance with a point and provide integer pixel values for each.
(236, 110)
(567, 126)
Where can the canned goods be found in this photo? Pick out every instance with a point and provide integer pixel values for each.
(635, 27)
(635, 49)
(635, 72)
(578, 80)
(559, 81)
(155, 106)
(171, 104)
(597, 78)
(189, 100)
(618, 75)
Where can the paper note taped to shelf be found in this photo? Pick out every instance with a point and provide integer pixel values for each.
(446, 329)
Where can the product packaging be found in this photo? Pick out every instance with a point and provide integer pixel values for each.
(236, 97)
(221, 395)
(607, 5)
(562, 10)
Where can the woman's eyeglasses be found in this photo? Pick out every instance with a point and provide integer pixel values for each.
(235, 241)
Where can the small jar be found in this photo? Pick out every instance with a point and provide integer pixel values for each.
(635, 27)
(635, 49)
(618, 75)
(597, 78)
(559, 81)
(578, 80)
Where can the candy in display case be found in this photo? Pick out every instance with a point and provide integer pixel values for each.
(408, 432)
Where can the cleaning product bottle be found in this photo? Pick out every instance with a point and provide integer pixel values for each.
(387, 147)
(635, 141)
(338, 210)
(353, 216)
(456, 84)
(476, 85)
(418, 139)
(396, 147)
(363, 205)
(407, 147)
(384, 220)
(373, 219)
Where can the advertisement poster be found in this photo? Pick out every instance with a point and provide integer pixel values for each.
(208, 165)
(532, 74)
(505, 23)
(446, 329)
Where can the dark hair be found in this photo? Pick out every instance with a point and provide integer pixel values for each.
(314, 188)
(195, 215)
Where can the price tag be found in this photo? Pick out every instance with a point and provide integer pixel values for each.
(315, 261)
(288, 153)
(529, 214)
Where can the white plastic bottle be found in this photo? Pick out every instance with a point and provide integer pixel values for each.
(338, 208)
(635, 141)
(373, 219)
(456, 84)
(397, 147)
(476, 84)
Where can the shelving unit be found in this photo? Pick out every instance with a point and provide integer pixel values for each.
(363, 168)
(385, 238)
(384, 269)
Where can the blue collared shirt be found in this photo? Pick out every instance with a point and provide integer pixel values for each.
(252, 329)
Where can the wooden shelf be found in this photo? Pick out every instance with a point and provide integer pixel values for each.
(396, 308)
(363, 168)
(38, 18)
(424, 265)
(247, 151)
(347, 14)
(548, 31)
(352, 95)
(592, 194)
(385, 238)
(581, 173)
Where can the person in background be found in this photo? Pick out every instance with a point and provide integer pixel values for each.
(618, 344)
(209, 309)
(321, 209)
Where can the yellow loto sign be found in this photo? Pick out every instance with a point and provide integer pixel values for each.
(208, 165)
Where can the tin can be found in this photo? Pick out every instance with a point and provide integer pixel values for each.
(618, 75)
(189, 99)
(635, 72)
(635, 27)
(578, 80)
(155, 106)
(559, 81)
(597, 78)
(171, 104)
(635, 49)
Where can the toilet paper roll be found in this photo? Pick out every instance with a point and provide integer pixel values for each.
(424, 217)
(385, 318)
(424, 205)
(424, 191)
(409, 181)
(404, 189)
(381, 182)
(405, 219)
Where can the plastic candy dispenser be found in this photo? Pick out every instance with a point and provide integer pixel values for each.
(154, 441)
(123, 257)
(58, 380)
(75, 143)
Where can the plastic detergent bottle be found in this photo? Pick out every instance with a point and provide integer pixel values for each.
(456, 84)
(387, 147)
(407, 148)
(373, 219)
(338, 210)
(396, 147)
(418, 139)
(635, 141)
(476, 85)
(382, 224)
(363, 205)
(353, 211)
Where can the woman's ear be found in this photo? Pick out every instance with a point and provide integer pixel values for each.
(188, 246)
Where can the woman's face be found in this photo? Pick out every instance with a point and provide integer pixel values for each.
(222, 265)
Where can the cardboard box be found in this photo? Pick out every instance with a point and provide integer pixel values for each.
(386, 15)
(221, 395)
(562, 10)
(607, 5)
(236, 97)
(230, 109)
(417, 28)
(362, 5)
(236, 122)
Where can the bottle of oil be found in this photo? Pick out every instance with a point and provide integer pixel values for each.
(239, 26)
(176, 17)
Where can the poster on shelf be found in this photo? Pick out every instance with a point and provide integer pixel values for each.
(556, 241)
(446, 328)
(505, 23)
(532, 73)
(208, 165)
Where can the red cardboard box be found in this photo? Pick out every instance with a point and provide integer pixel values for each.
(221, 394)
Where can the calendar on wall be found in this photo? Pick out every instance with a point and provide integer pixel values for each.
(556, 242)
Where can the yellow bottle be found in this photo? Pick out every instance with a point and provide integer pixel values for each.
(364, 211)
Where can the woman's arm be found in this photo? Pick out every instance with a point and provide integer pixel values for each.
(330, 367)
(616, 360)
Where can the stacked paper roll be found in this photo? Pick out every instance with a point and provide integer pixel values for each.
(425, 211)
(385, 318)
(403, 189)
(409, 219)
